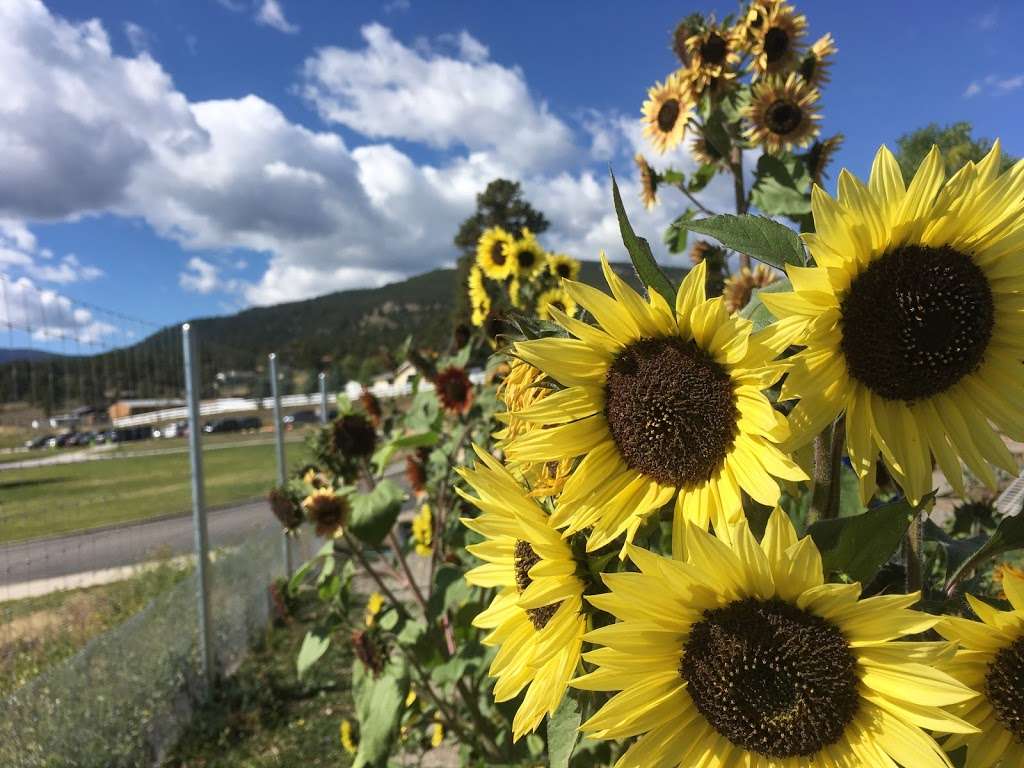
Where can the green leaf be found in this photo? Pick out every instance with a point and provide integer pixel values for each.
(856, 547)
(756, 236)
(675, 233)
(756, 311)
(1008, 536)
(781, 189)
(716, 134)
(646, 267)
(374, 513)
(383, 455)
(700, 179)
(449, 589)
(562, 732)
(314, 645)
(379, 704)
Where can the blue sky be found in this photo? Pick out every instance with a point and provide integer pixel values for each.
(178, 158)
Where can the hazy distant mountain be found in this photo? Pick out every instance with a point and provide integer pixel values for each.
(10, 355)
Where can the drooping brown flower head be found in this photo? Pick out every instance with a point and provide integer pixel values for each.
(702, 250)
(372, 406)
(416, 470)
(739, 287)
(454, 389)
(327, 511)
(648, 181)
(353, 436)
(820, 155)
(285, 508)
(369, 650)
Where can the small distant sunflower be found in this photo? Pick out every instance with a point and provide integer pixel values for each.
(775, 46)
(555, 298)
(481, 311)
(515, 294)
(327, 511)
(285, 507)
(562, 266)
(348, 741)
(682, 32)
(492, 253)
(526, 257)
(782, 114)
(648, 182)
(705, 153)
(660, 402)
(374, 605)
(713, 54)
(757, 13)
(814, 68)
(702, 250)
(740, 286)
(820, 155)
(912, 322)
(666, 111)
(741, 655)
(454, 389)
(423, 531)
(992, 661)
(536, 618)
(476, 289)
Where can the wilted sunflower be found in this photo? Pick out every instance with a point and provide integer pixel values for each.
(555, 298)
(713, 53)
(743, 656)
(371, 404)
(667, 109)
(820, 155)
(454, 389)
(740, 286)
(992, 661)
(526, 257)
(536, 617)
(285, 507)
(781, 114)
(816, 62)
(648, 182)
(682, 32)
(775, 43)
(658, 401)
(492, 253)
(912, 321)
(353, 436)
(327, 511)
(562, 266)
(705, 153)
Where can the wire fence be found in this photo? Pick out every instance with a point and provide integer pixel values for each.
(94, 491)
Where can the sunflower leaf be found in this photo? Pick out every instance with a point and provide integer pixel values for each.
(756, 236)
(380, 701)
(374, 513)
(855, 547)
(756, 311)
(647, 268)
(563, 732)
(1008, 536)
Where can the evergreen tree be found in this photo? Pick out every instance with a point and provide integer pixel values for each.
(956, 142)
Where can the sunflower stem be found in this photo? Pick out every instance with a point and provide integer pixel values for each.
(828, 456)
(736, 166)
(913, 553)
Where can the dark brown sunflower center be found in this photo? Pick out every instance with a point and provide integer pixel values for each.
(1004, 687)
(455, 389)
(353, 436)
(667, 115)
(498, 253)
(563, 270)
(807, 67)
(776, 44)
(526, 259)
(783, 117)
(916, 321)
(713, 50)
(671, 411)
(525, 558)
(771, 678)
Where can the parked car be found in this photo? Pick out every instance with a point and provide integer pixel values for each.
(80, 439)
(301, 417)
(222, 425)
(251, 423)
(38, 442)
(175, 429)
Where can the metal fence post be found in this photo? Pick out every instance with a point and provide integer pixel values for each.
(323, 397)
(191, 358)
(279, 449)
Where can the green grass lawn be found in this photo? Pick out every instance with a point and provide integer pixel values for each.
(37, 633)
(46, 501)
(265, 717)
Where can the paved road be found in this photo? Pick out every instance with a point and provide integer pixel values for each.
(125, 545)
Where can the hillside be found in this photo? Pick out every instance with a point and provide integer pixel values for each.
(348, 332)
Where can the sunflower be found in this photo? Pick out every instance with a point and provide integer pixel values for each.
(705, 153)
(667, 109)
(555, 298)
(781, 114)
(285, 507)
(682, 32)
(561, 266)
(820, 155)
(817, 61)
(454, 389)
(657, 400)
(492, 253)
(992, 661)
(713, 54)
(649, 180)
(752, 22)
(477, 291)
(741, 655)
(423, 531)
(348, 741)
(327, 511)
(912, 321)
(740, 287)
(526, 257)
(775, 43)
(536, 617)
(515, 295)
(481, 311)
(352, 436)
(374, 605)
